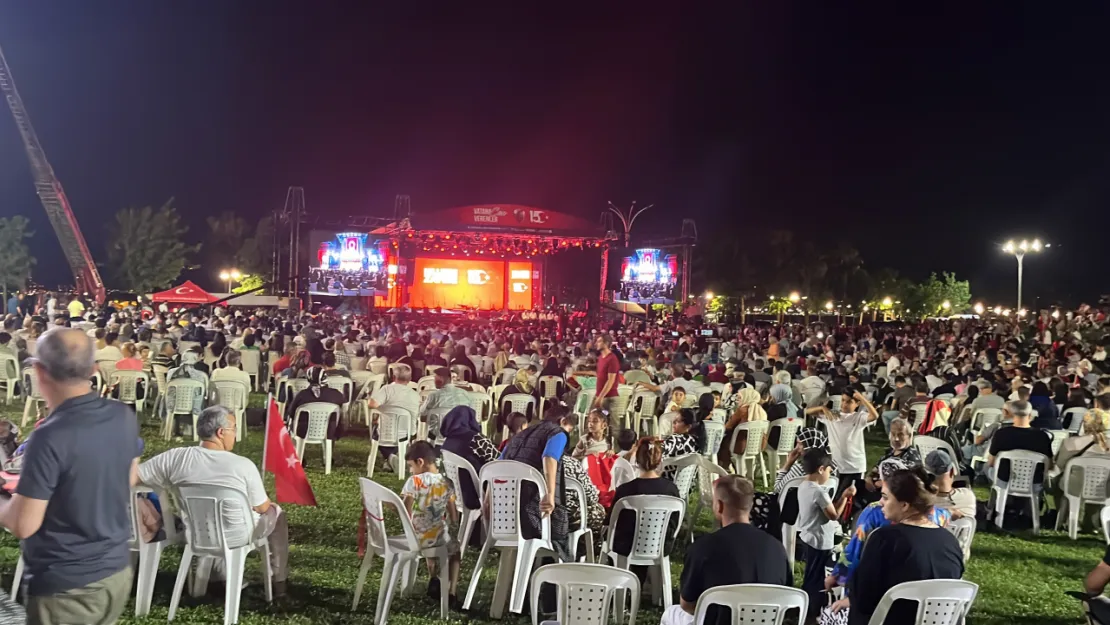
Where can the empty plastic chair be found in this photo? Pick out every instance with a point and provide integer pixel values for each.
(586, 592)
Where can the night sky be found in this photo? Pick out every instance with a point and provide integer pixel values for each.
(925, 138)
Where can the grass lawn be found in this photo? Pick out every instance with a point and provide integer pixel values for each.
(1022, 578)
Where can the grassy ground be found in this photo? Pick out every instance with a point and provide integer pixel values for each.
(1022, 578)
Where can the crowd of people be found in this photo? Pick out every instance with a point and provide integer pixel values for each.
(982, 387)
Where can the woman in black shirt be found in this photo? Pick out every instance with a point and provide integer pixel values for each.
(912, 548)
(648, 456)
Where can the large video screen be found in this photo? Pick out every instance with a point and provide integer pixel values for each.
(462, 284)
(347, 263)
(649, 276)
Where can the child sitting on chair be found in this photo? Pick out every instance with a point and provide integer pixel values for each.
(430, 499)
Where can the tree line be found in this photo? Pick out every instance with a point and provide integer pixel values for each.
(763, 269)
(147, 249)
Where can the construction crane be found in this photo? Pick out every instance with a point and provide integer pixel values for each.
(52, 196)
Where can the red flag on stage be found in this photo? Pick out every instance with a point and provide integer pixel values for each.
(280, 458)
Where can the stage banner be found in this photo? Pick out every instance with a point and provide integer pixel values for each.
(509, 218)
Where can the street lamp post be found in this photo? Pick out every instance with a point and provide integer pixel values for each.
(229, 276)
(1019, 250)
(628, 217)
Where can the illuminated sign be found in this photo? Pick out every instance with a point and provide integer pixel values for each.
(436, 275)
(520, 287)
(476, 276)
(521, 274)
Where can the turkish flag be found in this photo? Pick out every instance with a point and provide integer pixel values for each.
(281, 460)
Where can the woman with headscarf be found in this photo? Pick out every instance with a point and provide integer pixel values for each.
(781, 403)
(317, 391)
(1048, 415)
(748, 409)
(462, 436)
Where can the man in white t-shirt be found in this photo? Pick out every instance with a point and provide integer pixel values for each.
(233, 371)
(845, 431)
(213, 463)
(892, 365)
(399, 399)
(811, 386)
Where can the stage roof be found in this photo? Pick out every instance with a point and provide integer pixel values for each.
(509, 219)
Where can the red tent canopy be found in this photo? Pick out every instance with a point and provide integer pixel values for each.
(187, 293)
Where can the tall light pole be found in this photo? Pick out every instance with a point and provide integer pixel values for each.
(628, 217)
(1019, 250)
(229, 275)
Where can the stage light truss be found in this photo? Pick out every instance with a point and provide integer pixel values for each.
(493, 244)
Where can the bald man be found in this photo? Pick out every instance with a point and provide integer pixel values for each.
(71, 506)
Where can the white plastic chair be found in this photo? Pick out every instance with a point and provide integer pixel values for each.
(618, 407)
(575, 489)
(1058, 438)
(984, 417)
(287, 389)
(398, 366)
(107, 368)
(495, 391)
(503, 479)
(963, 529)
(653, 513)
(1076, 421)
(401, 554)
(642, 408)
(788, 437)
(926, 444)
(9, 376)
(454, 465)
(233, 395)
(519, 402)
(250, 359)
(585, 592)
(789, 530)
(636, 375)
(426, 384)
(180, 394)
(714, 436)
(505, 376)
(753, 604)
(1093, 491)
(1104, 520)
(345, 386)
(939, 601)
(219, 524)
(318, 414)
(126, 384)
(706, 469)
(394, 430)
(31, 391)
(149, 555)
(752, 449)
(461, 373)
(685, 472)
(1023, 466)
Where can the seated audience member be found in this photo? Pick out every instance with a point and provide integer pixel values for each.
(130, 360)
(328, 361)
(1048, 415)
(596, 440)
(648, 455)
(317, 391)
(1095, 584)
(516, 422)
(623, 470)
(687, 437)
(911, 548)
(735, 554)
(213, 463)
(942, 469)
(901, 447)
(441, 401)
(233, 370)
(397, 398)
(1019, 436)
(463, 437)
(430, 500)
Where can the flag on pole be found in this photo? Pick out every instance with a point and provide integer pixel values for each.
(280, 458)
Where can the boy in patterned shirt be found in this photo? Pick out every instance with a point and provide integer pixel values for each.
(430, 499)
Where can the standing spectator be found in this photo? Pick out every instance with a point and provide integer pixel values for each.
(71, 505)
(608, 366)
(735, 554)
(817, 515)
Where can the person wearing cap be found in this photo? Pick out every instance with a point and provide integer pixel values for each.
(959, 501)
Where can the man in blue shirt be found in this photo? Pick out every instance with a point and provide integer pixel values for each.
(71, 507)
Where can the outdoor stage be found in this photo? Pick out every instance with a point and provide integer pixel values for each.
(472, 258)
